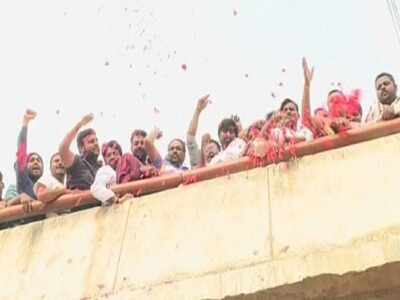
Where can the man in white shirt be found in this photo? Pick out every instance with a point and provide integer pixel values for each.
(232, 146)
(106, 176)
(49, 188)
(174, 161)
(388, 106)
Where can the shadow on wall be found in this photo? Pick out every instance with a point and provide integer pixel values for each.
(378, 283)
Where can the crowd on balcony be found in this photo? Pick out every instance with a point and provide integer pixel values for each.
(291, 123)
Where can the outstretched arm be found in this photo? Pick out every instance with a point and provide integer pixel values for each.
(45, 195)
(22, 140)
(305, 106)
(195, 153)
(67, 156)
(201, 105)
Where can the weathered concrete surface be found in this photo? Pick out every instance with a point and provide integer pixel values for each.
(334, 212)
(196, 229)
(66, 257)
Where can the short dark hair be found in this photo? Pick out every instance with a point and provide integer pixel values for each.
(334, 91)
(111, 144)
(138, 132)
(37, 154)
(287, 101)
(180, 141)
(390, 76)
(1, 176)
(226, 124)
(82, 135)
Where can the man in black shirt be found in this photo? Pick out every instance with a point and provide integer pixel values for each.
(82, 168)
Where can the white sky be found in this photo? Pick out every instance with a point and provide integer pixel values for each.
(120, 59)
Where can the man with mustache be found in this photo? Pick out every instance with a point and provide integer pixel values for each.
(143, 148)
(82, 168)
(49, 188)
(144, 156)
(29, 167)
(388, 106)
(175, 157)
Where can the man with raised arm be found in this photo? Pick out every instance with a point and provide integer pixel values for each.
(209, 148)
(144, 161)
(82, 168)
(388, 105)
(143, 148)
(29, 167)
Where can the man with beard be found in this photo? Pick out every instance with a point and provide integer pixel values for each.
(82, 168)
(233, 147)
(144, 159)
(175, 157)
(29, 167)
(106, 176)
(142, 147)
(49, 188)
(388, 106)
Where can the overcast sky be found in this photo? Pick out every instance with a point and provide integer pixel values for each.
(122, 61)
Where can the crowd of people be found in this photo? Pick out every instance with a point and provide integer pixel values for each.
(288, 125)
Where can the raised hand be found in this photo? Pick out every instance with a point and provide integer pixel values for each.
(202, 103)
(29, 116)
(155, 134)
(86, 120)
(308, 74)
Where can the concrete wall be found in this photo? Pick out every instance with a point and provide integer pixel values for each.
(333, 212)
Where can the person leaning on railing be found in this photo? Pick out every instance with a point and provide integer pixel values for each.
(388, 104)
(106, 176)
(82, 168)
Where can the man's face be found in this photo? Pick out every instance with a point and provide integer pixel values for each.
(91, 145)
(290, 110)
(57, 167)
(386, 90)
(138, 149)
(35, 166)
(112, 157)
(226, 136)
(176, 153)
(210, 151)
